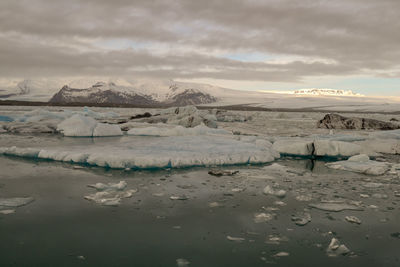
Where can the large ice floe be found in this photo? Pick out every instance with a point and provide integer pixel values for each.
(156, 152)
(360, 164)
(176, 131)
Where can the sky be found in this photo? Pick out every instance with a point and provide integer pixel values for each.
(239, 44)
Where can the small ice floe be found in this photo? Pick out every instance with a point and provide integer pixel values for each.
(281, 254)
(222, 172)
(268, 190)
(81, 257)
(276, 239)
(263, 217)
(158, 194)
(235, 239)
(335, 206)
(364, 195)
(353, 219)
(361, 165)
(304, 198)
(180, 197)
(280, 203)
(214, 204)
(380, 196)
(372, 185)
(182, 262)
(15, 201)
(110, 198)
(110, 194)
(301, 218)
(396, 193)
(6, 212)
(237, 189)
(335, 248)
(110, 186)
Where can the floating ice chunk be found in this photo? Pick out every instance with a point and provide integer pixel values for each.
(372, 185)
(335, 206)
(301, 218)
(214, 204)
(304, 198)
(393, 134)
(180, 197)
(294, 147)
(263, 217)
(370, 167)
(20, 152)
(353, 219)
(110, 198)
(177, 131)
(182, 262)
(15, 201)
(77, 125)
(336, 148)
(6, 118)
(359, 158)
(235, 239)
(281, 254)
(103, 129)
(335, 248)
(276, 240)
(110, 186)
(268, 190)
(6, 212)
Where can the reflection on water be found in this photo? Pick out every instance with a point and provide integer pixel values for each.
(150, 229)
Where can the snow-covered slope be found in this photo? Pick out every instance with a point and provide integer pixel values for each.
(332, 92)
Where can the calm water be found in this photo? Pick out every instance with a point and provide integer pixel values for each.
(61, 228)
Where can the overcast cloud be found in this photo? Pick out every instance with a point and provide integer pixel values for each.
(192, 39)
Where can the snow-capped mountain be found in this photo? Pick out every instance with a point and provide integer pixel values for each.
(332, 92)
(177, 94)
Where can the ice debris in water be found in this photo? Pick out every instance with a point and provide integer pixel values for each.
(360, 164)
(281, 254)
(268, 190)
(222, 172)
(335, 248)
(121, 185)
(263, 217)
(6, 212)
(182, 262)
(15, 201)
(235, 239)
(353, 219)
(276, 240)
(301, 218)
(180, 197)
(110, 194)
(335, 206)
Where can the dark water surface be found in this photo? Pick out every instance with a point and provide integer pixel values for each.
(61, 228)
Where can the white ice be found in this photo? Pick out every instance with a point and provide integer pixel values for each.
(177, 131)
(159, 152)
(360, 164)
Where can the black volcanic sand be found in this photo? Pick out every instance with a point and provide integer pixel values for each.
(61, 228)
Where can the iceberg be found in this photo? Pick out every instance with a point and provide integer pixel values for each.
(294, 147)
(82, 126)
(161, 152)
(336, 148)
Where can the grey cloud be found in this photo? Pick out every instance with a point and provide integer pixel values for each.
(360, 36)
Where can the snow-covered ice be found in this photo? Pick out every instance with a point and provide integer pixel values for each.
(15, 201)
(177, 131)
(165, 152)
(360, 164)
